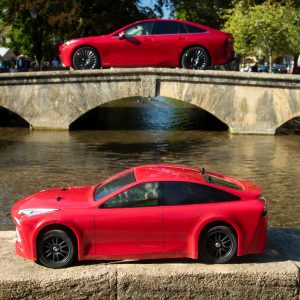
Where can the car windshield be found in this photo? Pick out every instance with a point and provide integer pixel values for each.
(113, 185)
(221, 182)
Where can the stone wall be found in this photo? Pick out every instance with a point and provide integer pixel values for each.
(272, 275)
(247, 102)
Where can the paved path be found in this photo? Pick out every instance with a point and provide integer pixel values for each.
(273, 275)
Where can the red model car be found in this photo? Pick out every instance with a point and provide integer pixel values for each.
(151, 211)
(153, 42)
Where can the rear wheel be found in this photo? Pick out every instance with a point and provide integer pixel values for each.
(217, 245)
(195, 58)
(55, 249)
(86, 58)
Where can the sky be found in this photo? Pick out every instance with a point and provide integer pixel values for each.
(151, 3)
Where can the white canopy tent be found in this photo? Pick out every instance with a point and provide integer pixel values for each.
(6, 54)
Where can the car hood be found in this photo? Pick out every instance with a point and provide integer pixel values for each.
(83, 40)
(57, 198)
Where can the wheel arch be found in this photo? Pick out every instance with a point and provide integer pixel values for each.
(85, 45)
(58, 226)
(218, 222)
(191, 46)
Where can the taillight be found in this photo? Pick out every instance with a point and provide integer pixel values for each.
(230, 40)
(229, 47)
(264, 201)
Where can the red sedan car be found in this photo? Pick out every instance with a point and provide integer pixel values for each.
(153, 42)
(152, 211)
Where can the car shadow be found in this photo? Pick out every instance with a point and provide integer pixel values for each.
(283, 245)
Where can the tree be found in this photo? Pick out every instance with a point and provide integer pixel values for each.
(265, 28)
(205, 12)
(57, 20)
(293, 36)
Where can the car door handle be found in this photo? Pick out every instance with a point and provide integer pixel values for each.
(147, 39)
(182, 38)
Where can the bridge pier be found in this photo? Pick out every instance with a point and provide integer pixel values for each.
(248, 103)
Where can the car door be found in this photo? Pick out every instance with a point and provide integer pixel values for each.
(186, 207)
(133, 48)
(169, 38)
(129, 223)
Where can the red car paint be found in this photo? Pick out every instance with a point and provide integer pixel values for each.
(164, 50)
(148, 231)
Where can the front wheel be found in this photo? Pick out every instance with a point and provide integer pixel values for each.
(217, 245)
(55, 249)
(86, 58)
(195, 58)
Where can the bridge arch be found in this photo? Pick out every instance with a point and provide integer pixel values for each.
(10, 118)
(290, 125)
(203, 106)
(160, 113)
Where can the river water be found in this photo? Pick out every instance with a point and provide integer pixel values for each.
(139, 134)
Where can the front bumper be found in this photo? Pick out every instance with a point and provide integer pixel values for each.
(21, 246)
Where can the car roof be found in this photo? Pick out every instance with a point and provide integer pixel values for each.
(167, 172)
(179, 21)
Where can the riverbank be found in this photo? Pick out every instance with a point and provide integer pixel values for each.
(273, 275)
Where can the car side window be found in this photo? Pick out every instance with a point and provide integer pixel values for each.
(105, 189)
(181, 193)
(141, 195)
(165, 27)
(194, 29)
(139, 29)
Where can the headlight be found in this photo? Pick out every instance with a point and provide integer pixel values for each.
(264, 201)
(18, 237)
(70, 42)
(35, 211)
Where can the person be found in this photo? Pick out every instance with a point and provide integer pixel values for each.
(55, 63)
(20, 64)
(254, 68)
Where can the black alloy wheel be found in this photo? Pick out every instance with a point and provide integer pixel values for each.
(55, 249)
(195, 58)
(217, 245)
(86, 58)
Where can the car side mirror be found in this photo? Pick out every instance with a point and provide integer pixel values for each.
(121, 35)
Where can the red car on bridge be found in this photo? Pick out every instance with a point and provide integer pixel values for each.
(152, 43)
(152, 211)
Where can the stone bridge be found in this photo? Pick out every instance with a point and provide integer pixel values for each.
(247, 103)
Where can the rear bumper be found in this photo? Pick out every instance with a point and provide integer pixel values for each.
(259, 241)
(65, 54)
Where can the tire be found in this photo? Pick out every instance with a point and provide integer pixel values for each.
(85, 58)
(195, 58)
(55, 249)
(217, 245)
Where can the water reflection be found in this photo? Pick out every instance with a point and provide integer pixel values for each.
(148, 114)
(33, 160)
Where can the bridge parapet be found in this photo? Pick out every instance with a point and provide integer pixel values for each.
(247, 102)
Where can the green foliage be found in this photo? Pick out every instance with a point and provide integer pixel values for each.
(207, 12)
(269, 28)
(204, 12)
(293, 33)
(61, 20)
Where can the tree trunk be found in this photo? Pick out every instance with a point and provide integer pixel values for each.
(295, 69)
(270, 61)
